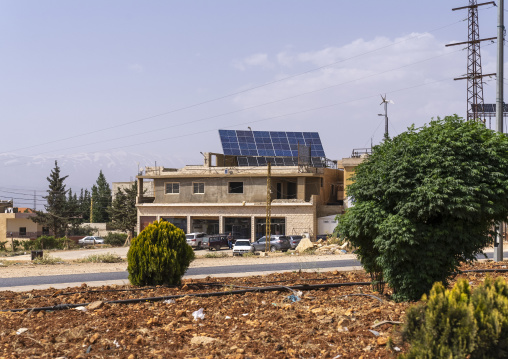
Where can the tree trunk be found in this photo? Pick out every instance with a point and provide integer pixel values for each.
(128, 240)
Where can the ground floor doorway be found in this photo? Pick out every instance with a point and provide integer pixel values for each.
(277, 226)
(205, 225)
(180, 222)
(238, 226)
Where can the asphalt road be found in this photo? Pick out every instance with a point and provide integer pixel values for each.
(232, 269)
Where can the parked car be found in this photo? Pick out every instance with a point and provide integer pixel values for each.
(277, 243)
(324, 237)
(294, 241)
(242, 246)
(217, 241)
(195, 240)
(91, 240)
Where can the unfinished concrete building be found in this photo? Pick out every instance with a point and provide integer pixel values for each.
(228, 193)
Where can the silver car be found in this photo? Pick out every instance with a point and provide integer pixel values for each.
(277, 243)
(91, 240)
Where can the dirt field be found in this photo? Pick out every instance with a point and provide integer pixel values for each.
(321, 323)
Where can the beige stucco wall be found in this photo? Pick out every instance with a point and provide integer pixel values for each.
(11, 222)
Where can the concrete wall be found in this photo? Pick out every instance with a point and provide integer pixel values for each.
(216, 190)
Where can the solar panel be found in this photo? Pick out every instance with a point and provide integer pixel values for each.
(488, 107)
(256, 148)
(269, 143)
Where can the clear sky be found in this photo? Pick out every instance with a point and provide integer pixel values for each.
(159, 78)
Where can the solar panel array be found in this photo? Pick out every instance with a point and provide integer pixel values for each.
(488, 107)
(255, 148)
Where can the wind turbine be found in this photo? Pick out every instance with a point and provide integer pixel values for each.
(385, 102)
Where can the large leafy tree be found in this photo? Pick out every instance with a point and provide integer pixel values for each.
(101, 200)
(426, 201)
(123, 212)
(56, 217)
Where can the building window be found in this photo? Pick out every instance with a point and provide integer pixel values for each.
(22, 231)
(172, 187)
(199, 187)
(45, 231)
(235, 187)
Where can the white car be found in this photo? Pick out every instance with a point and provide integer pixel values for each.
(195, 240)
(242, 246)
(91, 240)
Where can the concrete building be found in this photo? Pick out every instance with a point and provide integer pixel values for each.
(221, 197)
(16, 223)
(348, 165)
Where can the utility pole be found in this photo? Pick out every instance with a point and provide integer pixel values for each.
(91, 209)
(498, 245)
(268, 235)
(474, 64)
(35, 203)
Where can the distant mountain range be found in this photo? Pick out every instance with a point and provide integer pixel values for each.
(30, 172)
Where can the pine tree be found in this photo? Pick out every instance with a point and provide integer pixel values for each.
(101, 200)
(56, 216)
(123, 212)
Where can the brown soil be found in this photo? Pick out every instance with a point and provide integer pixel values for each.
(325, 323)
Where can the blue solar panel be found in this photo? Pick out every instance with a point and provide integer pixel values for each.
(263, 144)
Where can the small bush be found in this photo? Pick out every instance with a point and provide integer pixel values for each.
(159, 255)
(101, 258)
(216, 255)
(47, 259)
(2, 245)
(45, 242)
(115, 239)
(459, 324)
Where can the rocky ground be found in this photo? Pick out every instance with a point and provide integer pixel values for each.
(348, 321)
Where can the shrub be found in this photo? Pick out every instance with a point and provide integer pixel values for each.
(115, 239)
(45, 242)
(459, 324)
(159, 255)
(216, 255)
(47, 259)
(101, 258)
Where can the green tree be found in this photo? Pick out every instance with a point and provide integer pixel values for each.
(73, 211)
(56, 217)
(101, 200)
(426, 201)
(123, 212)
(159, 255)
(84, 202)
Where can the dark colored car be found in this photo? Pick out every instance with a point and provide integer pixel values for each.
(324, 237)
(277, 243)
(217, 241)
(294, 241)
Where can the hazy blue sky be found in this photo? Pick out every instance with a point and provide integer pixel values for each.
(159, 78)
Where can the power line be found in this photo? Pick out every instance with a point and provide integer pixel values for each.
(249, 108)
(251, 122)
(238, 92)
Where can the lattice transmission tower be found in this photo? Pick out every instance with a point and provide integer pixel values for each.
(474, 63)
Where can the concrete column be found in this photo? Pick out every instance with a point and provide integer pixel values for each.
(300, 188)
(189, 224)
(140, 191)
(221, 224)
(252, 228)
